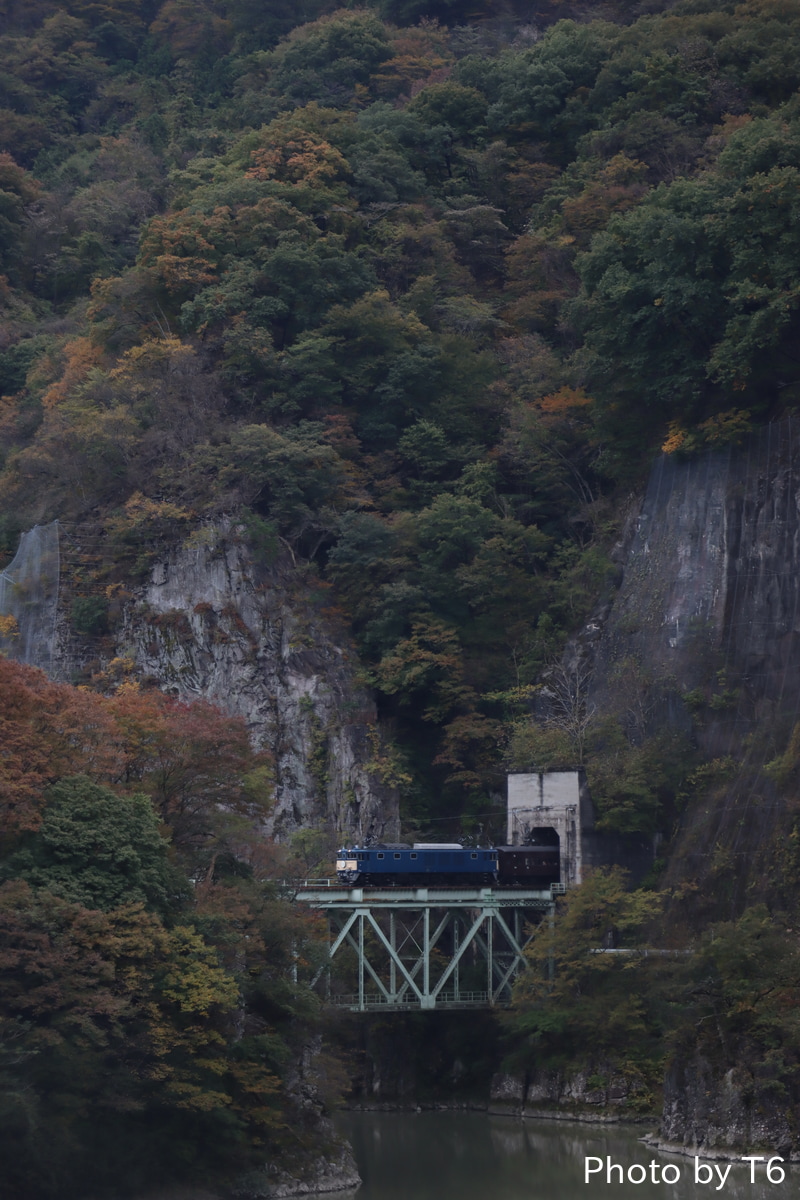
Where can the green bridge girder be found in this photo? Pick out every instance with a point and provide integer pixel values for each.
(424, 948)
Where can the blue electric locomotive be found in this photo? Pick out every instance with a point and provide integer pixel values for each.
(395, 865)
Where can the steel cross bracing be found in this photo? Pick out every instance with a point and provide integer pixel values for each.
(399, 949)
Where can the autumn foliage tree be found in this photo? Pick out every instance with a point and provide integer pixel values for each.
(189, 759)
(138, 1009)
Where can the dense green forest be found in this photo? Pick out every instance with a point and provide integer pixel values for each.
(415, 291)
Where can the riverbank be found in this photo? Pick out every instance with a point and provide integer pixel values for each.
(337, 1173)
(716, 1153)
(457, 1155)
(578, 1116)
(493, 1110)
(457, 1150)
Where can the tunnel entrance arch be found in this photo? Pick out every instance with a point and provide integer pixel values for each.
(550, 801)
(542, 835)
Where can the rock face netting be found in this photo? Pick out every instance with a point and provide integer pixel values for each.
(29, 594)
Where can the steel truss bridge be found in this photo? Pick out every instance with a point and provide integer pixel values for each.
(424, 948)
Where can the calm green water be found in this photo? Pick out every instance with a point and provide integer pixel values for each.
(472, 1156)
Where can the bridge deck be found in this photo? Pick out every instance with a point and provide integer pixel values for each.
(427, 897)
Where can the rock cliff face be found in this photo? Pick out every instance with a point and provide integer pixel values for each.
(704, 636)
(709, 1112)
(711, 581)
(210, 624)
(595, 1094)
(329, 1166)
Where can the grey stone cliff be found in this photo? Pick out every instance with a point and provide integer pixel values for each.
(209, 625)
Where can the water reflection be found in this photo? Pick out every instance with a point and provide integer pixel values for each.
(471, 1156)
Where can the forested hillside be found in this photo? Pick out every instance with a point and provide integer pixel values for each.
(414, 300)
(412, 293)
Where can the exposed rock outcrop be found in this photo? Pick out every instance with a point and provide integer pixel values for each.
(589, 1095)
(710, 589)
(703, 637)
(708, 1111)
(326, 1162)
(334, 1171)
(210, 624)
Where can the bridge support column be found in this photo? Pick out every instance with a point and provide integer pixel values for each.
(426, 957)
(456, 958)
(392, 959)
(489, 959)
(361, 997)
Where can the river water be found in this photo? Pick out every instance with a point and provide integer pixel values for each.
(473, 1156)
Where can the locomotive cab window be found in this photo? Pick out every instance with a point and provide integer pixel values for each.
(473, 854)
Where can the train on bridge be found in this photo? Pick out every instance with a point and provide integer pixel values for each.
(449, 865)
